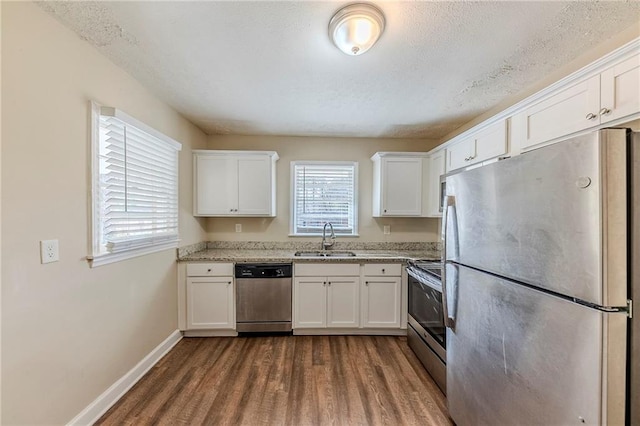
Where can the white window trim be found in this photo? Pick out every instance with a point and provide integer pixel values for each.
(292, 206)
(97, 256)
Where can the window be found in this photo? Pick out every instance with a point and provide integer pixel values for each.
(324, 192)
(135, 187)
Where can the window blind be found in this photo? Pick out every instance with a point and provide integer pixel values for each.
(138, 187)
(324, 192)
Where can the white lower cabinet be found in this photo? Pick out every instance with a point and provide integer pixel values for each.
(210, 297)
(310, 302)
(347, 296)
(326, 301)
(381, 296)
(343, 302)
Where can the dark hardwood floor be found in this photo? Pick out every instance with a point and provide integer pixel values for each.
(284, 380)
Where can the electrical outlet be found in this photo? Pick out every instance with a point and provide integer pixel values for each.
(386, 230)
(49, 251)
(238, 227)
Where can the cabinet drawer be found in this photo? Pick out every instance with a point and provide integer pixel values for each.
(209, 269)
(383, 269)
(324, 270)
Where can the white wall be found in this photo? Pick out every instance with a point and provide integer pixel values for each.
(69, 331)
(317, 148)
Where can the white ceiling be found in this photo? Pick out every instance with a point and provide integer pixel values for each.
(269, 68)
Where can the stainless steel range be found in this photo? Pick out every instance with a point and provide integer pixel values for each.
(426, 332)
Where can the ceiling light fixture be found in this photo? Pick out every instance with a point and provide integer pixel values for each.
(356, 27)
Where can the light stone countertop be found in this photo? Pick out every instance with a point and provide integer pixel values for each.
(391, 254)
(287, 255)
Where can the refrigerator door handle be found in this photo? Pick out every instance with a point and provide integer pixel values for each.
(451, 295)
(449, 205)
(449, 201)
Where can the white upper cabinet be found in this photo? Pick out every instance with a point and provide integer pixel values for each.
(570, 110)
(234, 183)
(485, 144)
(398, 188)
(620, 90)
(602, 94)
(436, 169)
(611, 95)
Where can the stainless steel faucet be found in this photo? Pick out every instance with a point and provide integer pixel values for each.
(325, 244)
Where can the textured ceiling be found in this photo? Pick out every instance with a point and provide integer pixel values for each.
(269, 68)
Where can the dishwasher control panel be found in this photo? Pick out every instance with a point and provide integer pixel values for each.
(263, 270)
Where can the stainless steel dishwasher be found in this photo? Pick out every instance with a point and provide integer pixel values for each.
(263, 297)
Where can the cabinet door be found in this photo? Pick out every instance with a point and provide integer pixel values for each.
(343, 302)
(310, 302)
(620, 86)
(574, 109)
(210, 303)
(436, 169)
(214, 184)
(381, 302)
(402, 186)
(459, 154)
(491, 142)
(254, 185)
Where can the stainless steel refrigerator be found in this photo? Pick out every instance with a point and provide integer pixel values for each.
(538, 276)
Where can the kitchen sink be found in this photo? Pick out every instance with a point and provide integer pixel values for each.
(319, 253)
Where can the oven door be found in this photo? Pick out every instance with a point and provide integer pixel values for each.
(425, 308)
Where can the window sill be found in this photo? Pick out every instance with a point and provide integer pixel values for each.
(107, 258)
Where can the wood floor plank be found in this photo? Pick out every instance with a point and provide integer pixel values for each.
(284, 380)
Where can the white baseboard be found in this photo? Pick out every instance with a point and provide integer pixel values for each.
(101, 404)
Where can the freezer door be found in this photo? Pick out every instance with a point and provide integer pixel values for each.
(521, 356)
(554, 218)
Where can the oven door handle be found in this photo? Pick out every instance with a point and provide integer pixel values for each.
(447, 207)
(422, 281)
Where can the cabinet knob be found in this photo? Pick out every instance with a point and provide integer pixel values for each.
(229, 283)
(590, 116)
(366, 283)
(385, 210)
(605, 111)
(329, 282)
(231, 210)
(209, 270)
(383, 270)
